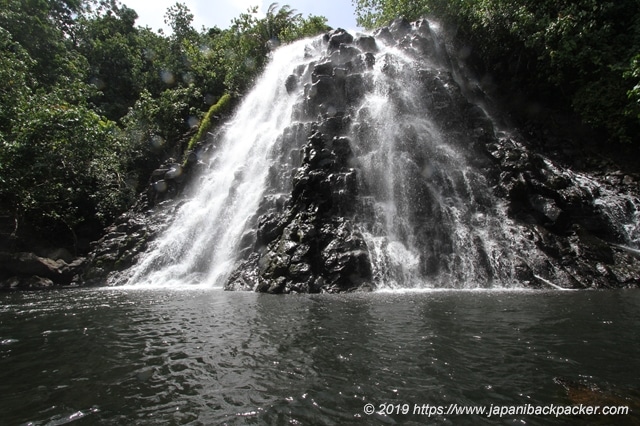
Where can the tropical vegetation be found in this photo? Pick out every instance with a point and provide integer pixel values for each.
(90, 103)
(581, 56)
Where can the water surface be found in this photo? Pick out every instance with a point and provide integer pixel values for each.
(204, 357)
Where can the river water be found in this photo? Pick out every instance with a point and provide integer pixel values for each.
(207, 357)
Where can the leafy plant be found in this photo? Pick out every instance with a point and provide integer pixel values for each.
(90, 103)
(574, 55)
(205, 125)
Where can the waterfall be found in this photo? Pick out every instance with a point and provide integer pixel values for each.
(201, 243)
(370, 162)
(435, 221)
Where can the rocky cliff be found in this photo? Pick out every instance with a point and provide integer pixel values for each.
(396, 169)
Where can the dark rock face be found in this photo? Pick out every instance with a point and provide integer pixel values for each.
(565, 229)
(575, 220)
(337, 38)
(167, 181)
(314, 243)
(26, 271)
(125, 241)
(312, 246)
(117, 249)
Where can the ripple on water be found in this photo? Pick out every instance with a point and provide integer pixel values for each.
(211, 357)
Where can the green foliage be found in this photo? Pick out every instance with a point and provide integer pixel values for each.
(580, 51)
(90, 103)
(377, 13)
(179, 18)
(633, 76)
(108, 40)
(15, 81)
(250, 40)
(205, 125)
(304, 27)
(60, 165)
(44, 29)
(165, 115)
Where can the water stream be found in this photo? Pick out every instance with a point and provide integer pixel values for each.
(397, 146)
(449, 324)
(200, 245)
(425, 204)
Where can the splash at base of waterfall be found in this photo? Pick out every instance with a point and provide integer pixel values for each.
(371, 162)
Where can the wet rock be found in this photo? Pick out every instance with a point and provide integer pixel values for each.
(335, 124)
(339, 37)
(341, 150)
(369, 60)
(168, 181)
(174, 173)
(269, 227)
(344, 55)
(545, 206)
(160, 186)
(33, 282)
(345, 258)
(354, 88)
(423, 45)
(192, 160)
(307, 232)
(291, 83)
(324, 89)
(124, 242)
(384, 35)
(423, 28)
(158, 174)
(247, 243)
(312, 246)
(399, 28)
(322, 69)
(25, 270)
(366, 44)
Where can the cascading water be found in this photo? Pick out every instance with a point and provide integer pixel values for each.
(201, 243)
(435, 222)
(366, 167)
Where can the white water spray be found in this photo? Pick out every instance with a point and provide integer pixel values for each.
(425, 208)
(200, 245)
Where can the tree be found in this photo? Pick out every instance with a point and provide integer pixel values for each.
(16, 82)
(90, 104)
(179, 18)
(581, 49)
(633, 75)
(59, 160)
(250, 40)
(61, 167)
(44, 28)
(108, 40)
